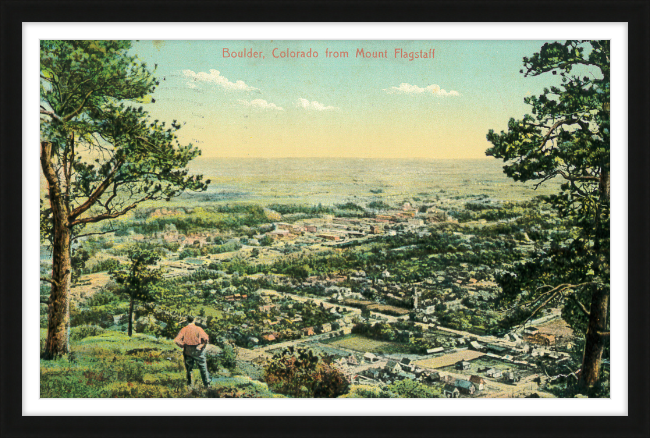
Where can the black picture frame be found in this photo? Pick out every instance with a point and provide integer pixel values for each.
(635, 13)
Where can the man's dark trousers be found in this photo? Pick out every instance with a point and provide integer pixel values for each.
(196, 358)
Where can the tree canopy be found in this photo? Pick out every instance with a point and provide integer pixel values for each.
(138, 279)
(108, 155)
(101, 154)
(566, 135)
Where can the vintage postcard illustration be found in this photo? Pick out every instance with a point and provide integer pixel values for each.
(385, 219)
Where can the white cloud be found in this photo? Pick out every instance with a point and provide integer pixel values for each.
(260, 103)
(313, 105)
(414, 89)
(443, 93)
(214, 77)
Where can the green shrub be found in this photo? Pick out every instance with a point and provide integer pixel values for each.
(403, 389)
(103, 265)
(85, 331)
(131, 371)
(411, 389)
(214, 364)
(378, 205)
(101, 298)
(101, 316)
(68, 384)
(226, 247)
(349, 206)
(229, 356)
(371, 392)
(140, 390)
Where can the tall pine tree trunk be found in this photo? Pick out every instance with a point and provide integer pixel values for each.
(594, 342)
(59, 304)
(598, 312)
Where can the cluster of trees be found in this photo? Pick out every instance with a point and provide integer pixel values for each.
(491, 211)
(378, 205)
(102, 266)
(485, 322)
(293, 212)
(350, 206)
(224, 218)
(406, 388)
(291, 209)
(230, 323)
(301, 372)
(190, 251)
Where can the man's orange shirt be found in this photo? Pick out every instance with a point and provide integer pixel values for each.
(191, 335)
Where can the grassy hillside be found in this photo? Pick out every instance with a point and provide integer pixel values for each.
(105, 363)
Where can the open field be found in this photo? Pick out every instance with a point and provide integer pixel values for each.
(207, 311)
(449, 359)
(391, 310)
(361, 344)
(88, 285)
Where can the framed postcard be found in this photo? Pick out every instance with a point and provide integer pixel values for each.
(388, 220)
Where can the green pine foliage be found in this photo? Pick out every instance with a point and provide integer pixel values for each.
(566, 136)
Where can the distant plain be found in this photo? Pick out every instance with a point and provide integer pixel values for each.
(338, 180)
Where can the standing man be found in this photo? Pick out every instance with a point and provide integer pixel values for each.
(193, 340)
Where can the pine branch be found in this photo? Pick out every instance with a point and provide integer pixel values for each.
(99, 191)
(51, 114)
(577, 178)
(51, 281)
(91, 234)
(80, 107)
(556, 291)
(109, 215)
(553, 128)
(581, 306)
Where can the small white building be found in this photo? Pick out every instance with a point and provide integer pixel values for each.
(369, 357)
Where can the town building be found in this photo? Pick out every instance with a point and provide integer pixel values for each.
(476, 346)
(465, 386)
(451, 391)
(308, 331)
(369, 357)
(479, 382)
(494, 373)
(393, 367)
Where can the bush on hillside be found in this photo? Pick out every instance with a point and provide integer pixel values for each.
(85, 331)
